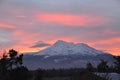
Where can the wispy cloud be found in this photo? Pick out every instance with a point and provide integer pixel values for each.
(40, 44)
(6, 26)
(81, 20)
(21, 24)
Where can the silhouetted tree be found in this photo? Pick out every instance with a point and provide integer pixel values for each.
(18, 60)
(12, 53)
(89, 67)
(14, 58)
(117, 63)
(7, 62)
(102, 66)
(4, 62)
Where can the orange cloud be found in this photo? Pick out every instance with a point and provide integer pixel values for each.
(109, 45)
(114, 51)
(25, 40)
(6, 26)
(71, 19)
(109, 41)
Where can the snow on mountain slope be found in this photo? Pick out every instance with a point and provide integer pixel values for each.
(66, 48)
(65, 55)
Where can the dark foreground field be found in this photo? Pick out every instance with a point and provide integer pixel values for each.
(87, 76)
(66, 74)
(22, 73)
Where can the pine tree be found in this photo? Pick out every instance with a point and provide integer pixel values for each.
(102, 66)
(89, 67)
(10, 59)
(117, 63)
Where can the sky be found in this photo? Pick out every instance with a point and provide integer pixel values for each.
(33, 25)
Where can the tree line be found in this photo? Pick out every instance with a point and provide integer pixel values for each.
(11, 68)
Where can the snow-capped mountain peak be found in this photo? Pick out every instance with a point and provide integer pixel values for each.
(66, 48)
(61, 42)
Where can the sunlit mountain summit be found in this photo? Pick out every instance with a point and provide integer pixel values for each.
(68, 48)
(66, 55)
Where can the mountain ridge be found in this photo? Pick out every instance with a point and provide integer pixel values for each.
(61, 47)
(66, 55)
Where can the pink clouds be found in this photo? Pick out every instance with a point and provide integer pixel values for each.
(109, 45)
(72, 19)
(25, 36)
(26, 39)
(110, 41)
(6, 26)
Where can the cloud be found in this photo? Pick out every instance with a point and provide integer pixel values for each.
(6, 26)
(40, 44)
(5, 33)
(72, 20)
(6, 44)
(69, 20)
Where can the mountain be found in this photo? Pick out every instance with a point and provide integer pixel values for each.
(67, 48)
(65, 55)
